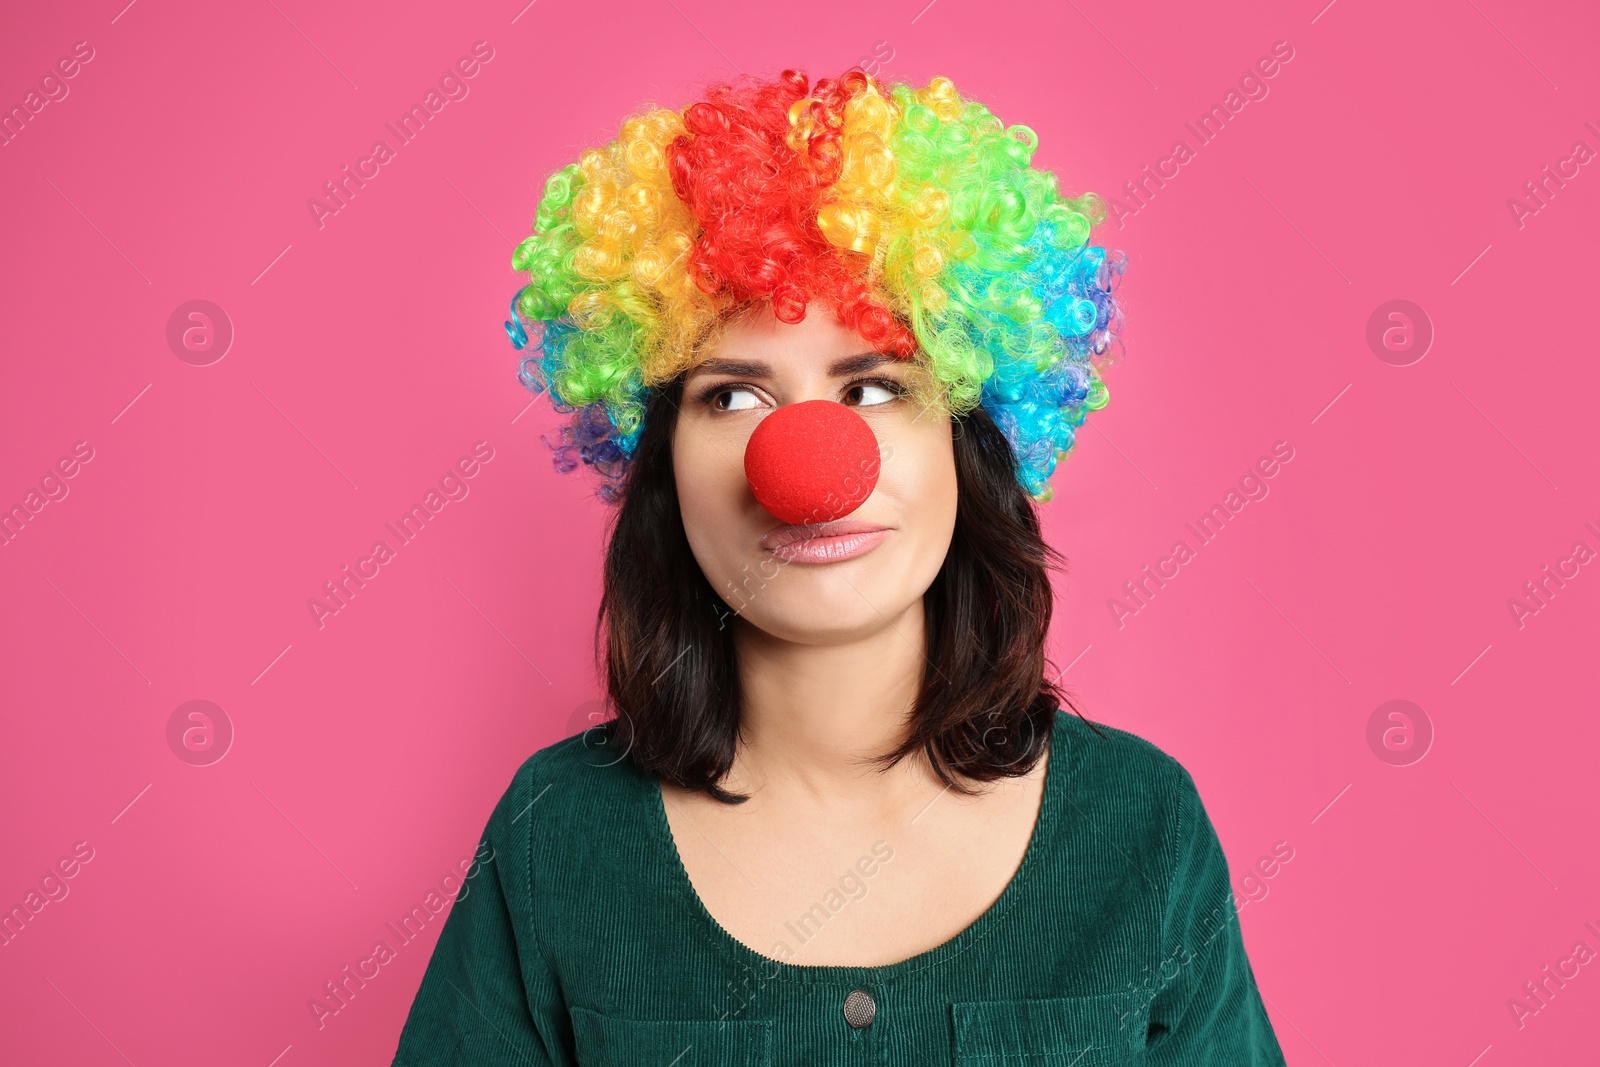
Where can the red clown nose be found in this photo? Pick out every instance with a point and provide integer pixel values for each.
(810, 462)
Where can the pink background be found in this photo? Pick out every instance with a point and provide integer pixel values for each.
(368, 357)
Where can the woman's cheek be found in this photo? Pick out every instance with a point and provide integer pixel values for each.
(710, 497)
(920, 462)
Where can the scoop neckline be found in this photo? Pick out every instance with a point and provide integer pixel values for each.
(975, 931)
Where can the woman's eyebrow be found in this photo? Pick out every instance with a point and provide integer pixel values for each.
(839, 368)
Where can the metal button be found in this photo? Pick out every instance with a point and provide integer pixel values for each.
(859, 1008)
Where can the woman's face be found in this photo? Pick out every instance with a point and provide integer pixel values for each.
(801, 594)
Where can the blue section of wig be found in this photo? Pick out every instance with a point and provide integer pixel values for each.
(592, 435)
(1041, 407)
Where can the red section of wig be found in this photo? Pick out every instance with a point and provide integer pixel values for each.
(756, 200)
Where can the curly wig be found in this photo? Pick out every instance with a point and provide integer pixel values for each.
(914, 211)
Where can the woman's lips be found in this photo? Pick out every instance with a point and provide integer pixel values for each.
(823, 542)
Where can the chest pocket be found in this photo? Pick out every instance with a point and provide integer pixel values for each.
(1097, 1031)
(610, 1041)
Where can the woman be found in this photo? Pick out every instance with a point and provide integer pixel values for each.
(824, 346)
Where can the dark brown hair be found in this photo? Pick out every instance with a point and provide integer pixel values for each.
(985, 708)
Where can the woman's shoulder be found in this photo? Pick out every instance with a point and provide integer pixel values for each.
(1114, 755)
(1128, 784)
(579, 814)
(569, 786)
(1128, 834)
(588, 759)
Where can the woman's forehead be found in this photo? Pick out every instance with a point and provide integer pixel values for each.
(755, 341)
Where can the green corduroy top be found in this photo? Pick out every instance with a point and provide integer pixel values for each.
(583, 942)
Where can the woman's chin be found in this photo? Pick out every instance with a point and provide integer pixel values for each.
(819, 620)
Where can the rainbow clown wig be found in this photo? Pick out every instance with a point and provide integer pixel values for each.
(914, 211)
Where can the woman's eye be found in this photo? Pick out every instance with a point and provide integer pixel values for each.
(863, 391)
(722, 403)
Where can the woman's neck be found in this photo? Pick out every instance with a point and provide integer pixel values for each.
(812, 714)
